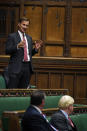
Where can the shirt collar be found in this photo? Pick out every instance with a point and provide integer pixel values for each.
(37, 108)
(21, 33)
(66, 115)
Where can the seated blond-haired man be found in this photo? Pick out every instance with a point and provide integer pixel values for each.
(61, 120)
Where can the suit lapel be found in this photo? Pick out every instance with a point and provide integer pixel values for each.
(68, 123)
(18, 37)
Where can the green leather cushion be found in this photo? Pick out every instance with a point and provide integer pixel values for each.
(2, 83)
(5, 123)
(81, 121)
(21, 103)
(79, 105)
(52, 101)
(13, 103)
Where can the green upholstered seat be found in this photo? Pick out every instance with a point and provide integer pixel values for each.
(2, 82)
(32, 86)
(5, 123)
(79, 105)
(81, 121)
(52, 101)
(21, 103)
(13, 103)
(0, 129)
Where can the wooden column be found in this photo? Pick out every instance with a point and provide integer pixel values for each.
(43, 35)
(68, 27)
(21, 8)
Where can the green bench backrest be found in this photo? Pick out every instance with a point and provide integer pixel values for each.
(13, 103)
(81, 121)
(5, 123)
(52, 101)
(0, 129)
(2, 83)
(21, 103)
(78, 105)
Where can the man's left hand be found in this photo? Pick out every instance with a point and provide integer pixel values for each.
(38, 44)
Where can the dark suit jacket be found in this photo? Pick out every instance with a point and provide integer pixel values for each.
(34, 121)
(17, 55)
(59, 121)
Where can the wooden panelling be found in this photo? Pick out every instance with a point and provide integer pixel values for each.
(60, 22)
(9, 1)
(34, 13)
(55, 24)
(55, 80)
(81, 86)
(70, 73)
(33, 80)
(53, 50)
(69, 83)
(2, 46)
(79, 24)
(42, 80)
(59, 73)
(8, 24)
(82, 51)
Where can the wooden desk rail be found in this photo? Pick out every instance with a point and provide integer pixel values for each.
(27, 92)
(48, 112)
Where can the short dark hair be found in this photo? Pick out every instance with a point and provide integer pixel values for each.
(23, 19)
(37, 97)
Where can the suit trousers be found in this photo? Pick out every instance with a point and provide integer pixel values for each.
(21, 79)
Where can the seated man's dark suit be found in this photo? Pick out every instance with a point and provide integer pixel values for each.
(59, 121)
(33, 120)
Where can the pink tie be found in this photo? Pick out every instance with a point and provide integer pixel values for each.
(70, 121)
(25, 49)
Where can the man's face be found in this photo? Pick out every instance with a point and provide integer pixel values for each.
(70, 109)
(23, 26)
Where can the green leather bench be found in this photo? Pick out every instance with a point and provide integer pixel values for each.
(81, 121)
(2, 82)
(21, 103)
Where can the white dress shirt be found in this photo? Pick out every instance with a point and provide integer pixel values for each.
(21, 36)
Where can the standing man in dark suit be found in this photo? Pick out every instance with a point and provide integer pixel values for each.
(61, 120)
(33, 119)
(19, 47)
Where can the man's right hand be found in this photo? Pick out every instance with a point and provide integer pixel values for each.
(20, 45)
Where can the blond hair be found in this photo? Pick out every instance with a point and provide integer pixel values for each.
(65, 101)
